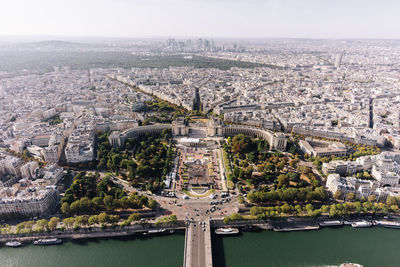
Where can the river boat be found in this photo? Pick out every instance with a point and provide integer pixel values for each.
(48, 241)
(13, 244)
(388, 224)
(350, 265)
(226, 231)
(296, 228)
(330, 223)
(157, 231)
(361, 224)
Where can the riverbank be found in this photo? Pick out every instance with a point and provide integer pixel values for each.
(94, 232)
(276, 224)
(267, 240)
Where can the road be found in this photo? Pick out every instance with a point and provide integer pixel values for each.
(222, 170)
(196, 242)
(198, 248)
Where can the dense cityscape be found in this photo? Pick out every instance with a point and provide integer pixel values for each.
(199, 133)
(225, 134)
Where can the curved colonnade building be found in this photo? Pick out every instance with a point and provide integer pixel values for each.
(215, 128)
(118, 138)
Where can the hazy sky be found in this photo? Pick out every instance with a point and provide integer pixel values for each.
(206, 18)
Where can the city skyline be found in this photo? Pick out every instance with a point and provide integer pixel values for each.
(213, 19)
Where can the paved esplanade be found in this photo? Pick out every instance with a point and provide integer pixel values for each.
(198, 252)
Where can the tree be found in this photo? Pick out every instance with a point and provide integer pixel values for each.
(350, 196)
(134, 217)
(293, 163)
(53, 222)
(102, 164)
(391, 200)
(372, 198)
(270, 167)
(321, 193)
(108, 202)
(41, 225)
(173, 218)
(280, 166)
(283, 180)
(97, 201)
(286, 208)
(152, 204)
(102, 217)
(251, 156)
(74, 206)
(309, 208)
(92, 220)
(81, 220)
(69, 222)
(324, 208)
(338, 195)
(65, 208)
(394, 208)
(255, 210)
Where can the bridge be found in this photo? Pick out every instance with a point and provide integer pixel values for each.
(198, 251)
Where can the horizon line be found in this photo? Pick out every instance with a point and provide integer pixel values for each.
(47, 36)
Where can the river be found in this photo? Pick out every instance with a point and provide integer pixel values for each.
(159, 251)
(326, 247)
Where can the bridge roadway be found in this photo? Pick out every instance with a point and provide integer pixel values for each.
(198, 251)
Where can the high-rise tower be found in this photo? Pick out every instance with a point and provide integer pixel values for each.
(338, 60)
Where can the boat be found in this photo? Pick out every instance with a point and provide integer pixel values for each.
(13, 244)
(226, 231)
(48, 241)
(361, 224)
(330, 223)
(158, 231)
(171, 231)
(388, 224)
(296, 228)
(350, 265)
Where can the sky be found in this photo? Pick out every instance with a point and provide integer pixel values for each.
(202, 18)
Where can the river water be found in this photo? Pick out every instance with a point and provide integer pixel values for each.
(158, 251)
(375, 246)
(326, 247)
